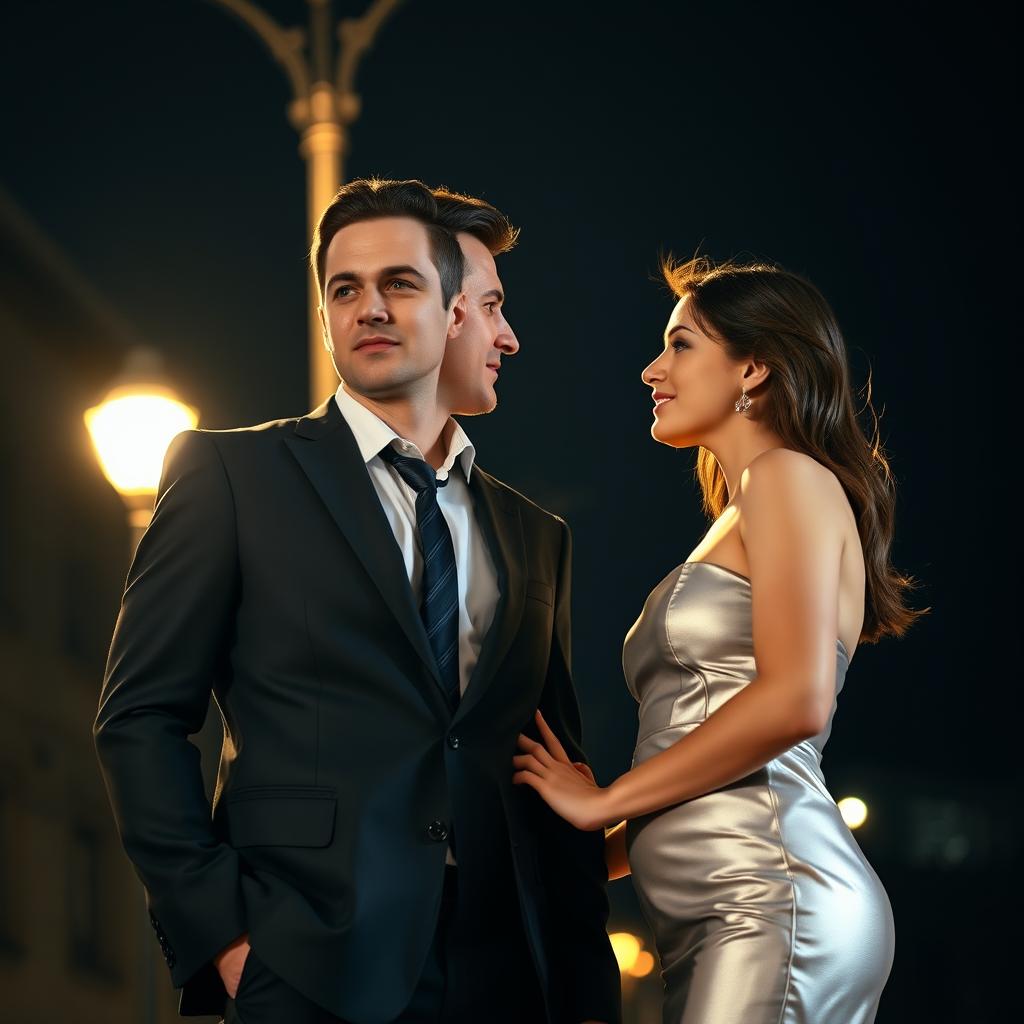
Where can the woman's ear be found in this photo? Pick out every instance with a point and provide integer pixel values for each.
(755, 374)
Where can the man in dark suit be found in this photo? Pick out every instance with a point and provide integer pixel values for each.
(377, 618)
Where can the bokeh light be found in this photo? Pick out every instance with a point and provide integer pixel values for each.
(626, 948)
(643, 966)
(853, 810)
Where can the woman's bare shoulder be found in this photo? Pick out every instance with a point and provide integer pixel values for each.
(786, 469)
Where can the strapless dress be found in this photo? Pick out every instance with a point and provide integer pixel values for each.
(763, 908)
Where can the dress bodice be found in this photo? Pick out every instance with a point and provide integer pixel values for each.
(692, 648)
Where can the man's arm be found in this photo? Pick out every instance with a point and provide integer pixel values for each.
(168, 644)
(572, 862)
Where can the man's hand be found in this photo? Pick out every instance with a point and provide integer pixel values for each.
(230, 961)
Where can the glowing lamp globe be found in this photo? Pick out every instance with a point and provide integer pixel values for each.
(131, 429)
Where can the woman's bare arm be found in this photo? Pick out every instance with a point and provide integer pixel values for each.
(794, 542)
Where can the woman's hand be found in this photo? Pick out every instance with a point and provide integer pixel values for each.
(568, 788)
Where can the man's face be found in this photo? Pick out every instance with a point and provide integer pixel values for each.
(471, 360)
(381, 308)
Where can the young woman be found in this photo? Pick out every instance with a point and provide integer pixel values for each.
(763, 907)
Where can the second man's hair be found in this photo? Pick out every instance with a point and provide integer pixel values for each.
(476, 217)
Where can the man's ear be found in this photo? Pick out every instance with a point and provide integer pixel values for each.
(458, 316)
(328, 344)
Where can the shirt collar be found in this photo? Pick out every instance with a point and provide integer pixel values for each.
(372, 434)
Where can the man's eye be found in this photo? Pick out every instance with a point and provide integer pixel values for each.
(398, 281)
(490, 306)
(338, 293)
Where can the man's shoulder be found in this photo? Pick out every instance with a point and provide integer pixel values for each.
(247, 438)
(317, 423)
(527, 506)
(231, 447)
(256, 432)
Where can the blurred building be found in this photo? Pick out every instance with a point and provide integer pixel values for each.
(75, 942)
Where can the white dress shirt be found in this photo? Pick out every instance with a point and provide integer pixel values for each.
(474, 567)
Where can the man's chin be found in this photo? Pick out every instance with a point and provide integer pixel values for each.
(479, 405)
(393, 383)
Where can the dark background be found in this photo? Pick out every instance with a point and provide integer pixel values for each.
(862, 145)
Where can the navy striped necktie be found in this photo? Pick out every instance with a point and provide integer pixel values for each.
(439, 605)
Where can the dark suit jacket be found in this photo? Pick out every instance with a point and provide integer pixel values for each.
(270, 575)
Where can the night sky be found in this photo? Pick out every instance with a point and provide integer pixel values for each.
(862, 145)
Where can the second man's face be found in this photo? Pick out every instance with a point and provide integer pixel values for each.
(382, 311)
(473, 358)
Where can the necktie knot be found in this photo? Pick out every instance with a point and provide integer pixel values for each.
(417, 473)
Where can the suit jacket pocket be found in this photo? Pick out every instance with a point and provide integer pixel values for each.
(281, 816)
(540, 590)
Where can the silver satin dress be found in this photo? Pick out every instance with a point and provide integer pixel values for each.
(763, 908)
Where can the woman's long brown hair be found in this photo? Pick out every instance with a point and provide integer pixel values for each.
(761, 312)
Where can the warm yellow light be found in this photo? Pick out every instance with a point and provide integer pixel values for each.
(643, 966)
(853, 810)
(626, 948)
(131, 429)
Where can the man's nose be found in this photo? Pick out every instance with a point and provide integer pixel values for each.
(372, 308)
(507, 340)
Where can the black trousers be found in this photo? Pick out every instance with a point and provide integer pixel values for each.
(479, 969)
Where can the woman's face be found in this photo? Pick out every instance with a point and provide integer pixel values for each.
(699, 383)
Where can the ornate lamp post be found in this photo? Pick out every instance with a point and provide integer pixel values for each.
(323, 104)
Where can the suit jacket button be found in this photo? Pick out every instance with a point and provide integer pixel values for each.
(437, 831)
(453, 741)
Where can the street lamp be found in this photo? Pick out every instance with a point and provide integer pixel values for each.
(324, 103)
(131, 429)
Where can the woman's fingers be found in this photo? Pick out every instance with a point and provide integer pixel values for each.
(527, 779)
(527, 762)
(538, 750)
(551, 741)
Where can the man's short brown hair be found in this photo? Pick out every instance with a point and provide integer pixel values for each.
(478, 218)
(373, 198)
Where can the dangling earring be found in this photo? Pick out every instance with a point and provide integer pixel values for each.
(743, 403)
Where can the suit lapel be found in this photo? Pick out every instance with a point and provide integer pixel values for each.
(327, 451)
(501, 524)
